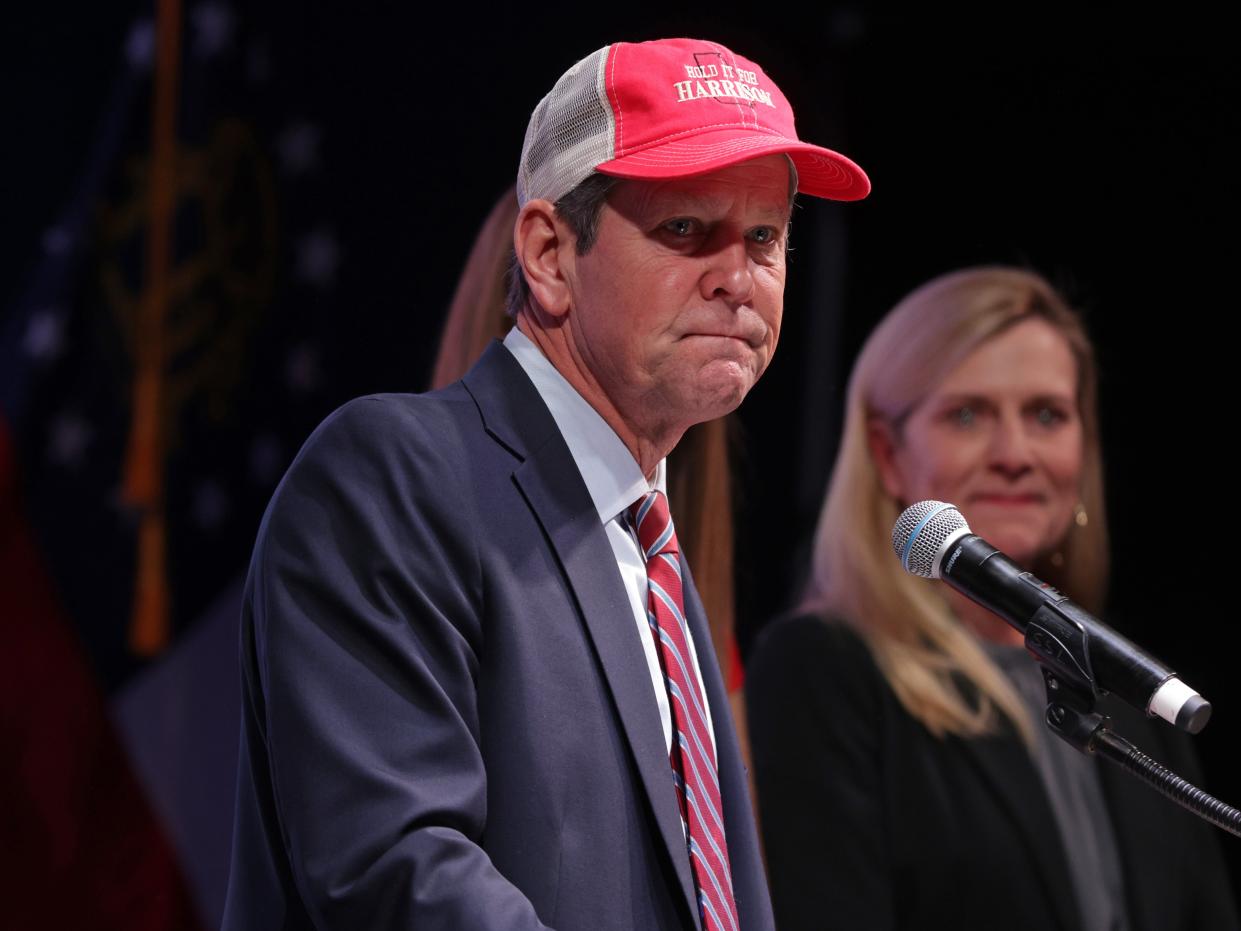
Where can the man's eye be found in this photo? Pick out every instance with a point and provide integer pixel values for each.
(681, 227)
(764, 235)
(962, 416)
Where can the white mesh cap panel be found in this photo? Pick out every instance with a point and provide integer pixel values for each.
(571, 131)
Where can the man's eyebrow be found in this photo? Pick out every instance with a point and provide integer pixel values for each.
(781, 212)
(772, 212)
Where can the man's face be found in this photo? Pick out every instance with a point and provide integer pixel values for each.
(676, 309)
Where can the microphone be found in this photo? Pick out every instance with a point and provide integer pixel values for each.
(933, 540)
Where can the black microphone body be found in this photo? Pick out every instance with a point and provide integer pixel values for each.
(933, 540)
(1078, 646)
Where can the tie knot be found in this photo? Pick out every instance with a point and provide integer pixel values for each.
(653, 522)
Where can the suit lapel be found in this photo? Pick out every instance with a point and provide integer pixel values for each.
(515, 415)
(1008, 772)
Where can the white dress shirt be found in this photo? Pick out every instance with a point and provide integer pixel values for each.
(615, 481)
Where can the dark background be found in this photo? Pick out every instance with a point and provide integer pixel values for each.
(1096, 147)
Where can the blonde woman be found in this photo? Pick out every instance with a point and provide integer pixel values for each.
(905, 779)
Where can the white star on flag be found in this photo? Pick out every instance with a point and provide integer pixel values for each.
(44, 338)
(302, 369)
(299, 148)
(211, 505)
(67, 442)
(318, 257)
(57, 241)
(140, 45)
(213, 28)
(266, 459)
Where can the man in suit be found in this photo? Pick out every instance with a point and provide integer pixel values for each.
(478, 684)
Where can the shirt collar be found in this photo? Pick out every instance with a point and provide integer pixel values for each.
(612, 476)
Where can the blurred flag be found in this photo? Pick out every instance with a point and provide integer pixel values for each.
(156, 376)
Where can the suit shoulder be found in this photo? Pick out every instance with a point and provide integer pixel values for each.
(413, 434)
(380, 420)
(379, 456)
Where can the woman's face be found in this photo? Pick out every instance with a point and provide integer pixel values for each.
(1001, 438)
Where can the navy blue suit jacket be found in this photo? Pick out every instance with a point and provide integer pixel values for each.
(448, 719)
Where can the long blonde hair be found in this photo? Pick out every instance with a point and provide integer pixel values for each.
(925, 653)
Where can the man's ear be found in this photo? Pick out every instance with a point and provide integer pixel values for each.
(545, 251)
(884, 445)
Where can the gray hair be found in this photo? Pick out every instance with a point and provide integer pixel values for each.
(580, 208)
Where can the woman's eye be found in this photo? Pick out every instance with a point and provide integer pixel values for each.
(963, 416)
(1049, 416)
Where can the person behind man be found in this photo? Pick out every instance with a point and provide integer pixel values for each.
(478, 683)
(906, 777)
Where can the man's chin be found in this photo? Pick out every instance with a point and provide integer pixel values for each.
(716, 391)
(717, 399)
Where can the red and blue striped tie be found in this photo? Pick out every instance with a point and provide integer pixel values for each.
(693, 756)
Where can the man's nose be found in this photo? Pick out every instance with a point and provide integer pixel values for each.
(729, 274)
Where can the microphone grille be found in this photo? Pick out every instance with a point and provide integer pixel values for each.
(919, 534)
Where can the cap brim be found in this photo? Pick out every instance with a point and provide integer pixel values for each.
(820, 172)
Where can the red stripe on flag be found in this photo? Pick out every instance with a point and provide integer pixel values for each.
(82, 848)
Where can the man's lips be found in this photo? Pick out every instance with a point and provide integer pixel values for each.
(752, 341)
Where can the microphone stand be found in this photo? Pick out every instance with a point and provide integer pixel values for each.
(1061, 649)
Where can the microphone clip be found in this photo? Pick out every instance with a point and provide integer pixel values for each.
(1071, 712)
(1062, 648)
(1061, 644)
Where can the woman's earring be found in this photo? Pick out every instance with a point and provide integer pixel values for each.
(1080, 517)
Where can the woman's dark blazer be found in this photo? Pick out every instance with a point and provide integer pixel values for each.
(870, 822)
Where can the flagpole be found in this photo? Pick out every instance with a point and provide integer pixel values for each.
(144, 464)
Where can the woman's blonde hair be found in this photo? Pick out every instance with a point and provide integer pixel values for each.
(937, 668)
